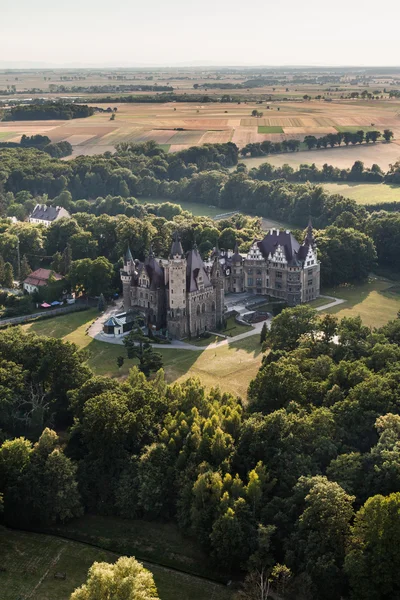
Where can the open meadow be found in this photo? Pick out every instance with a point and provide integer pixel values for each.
(231, 367)
(365, 193)
(29, 562)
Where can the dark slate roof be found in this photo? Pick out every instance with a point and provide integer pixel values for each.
(49, 213)
(154, 271)
(293, 251)
(112, 322)
(236, 256)
(128, 255)
(176, 247)
(195, 268)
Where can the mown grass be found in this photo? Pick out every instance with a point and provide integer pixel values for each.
(376, 302)
(270, 129)
(365, 193)
(231, 367)
(31, 560)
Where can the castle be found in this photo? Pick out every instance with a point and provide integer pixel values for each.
(180, 294)
(186, 295)
(276, 266)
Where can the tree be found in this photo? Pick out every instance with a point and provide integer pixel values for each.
(66, 260)
(8, 277)
(290, 325)
(388, 135)
(120, 361)
(101, 305)
(372, 560)
(127, 578)
(263, 333)
(25, 268)
(92, 276)
(138, 346)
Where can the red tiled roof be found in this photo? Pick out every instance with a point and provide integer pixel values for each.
(41, 277)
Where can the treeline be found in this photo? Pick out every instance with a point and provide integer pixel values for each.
(108, 88)
(155, 98)
(298, 481)
(43, 143)
(327, 173)
(331, 139)
(48, 111)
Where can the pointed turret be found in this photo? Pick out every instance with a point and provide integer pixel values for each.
(236, 257)
(309, 239)
(128, 255)
(176, 248)
(151, 251)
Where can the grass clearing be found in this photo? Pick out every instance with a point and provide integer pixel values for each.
(376, 302)
(365, 193)
(231, 367)
(31, 560)
(270, 129)
(198, 210)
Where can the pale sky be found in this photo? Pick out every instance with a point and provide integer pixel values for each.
(219, 32)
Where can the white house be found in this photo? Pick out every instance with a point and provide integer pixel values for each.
(46, 215)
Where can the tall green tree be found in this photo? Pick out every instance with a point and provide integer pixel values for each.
(8, 276)
(373, 559)
(126, 579)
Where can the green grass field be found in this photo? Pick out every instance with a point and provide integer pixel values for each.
(376, 301)
(230, 366)
(31, 560)
(270, 129)
(365, 193)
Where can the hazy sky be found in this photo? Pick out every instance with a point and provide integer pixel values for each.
(163, 32)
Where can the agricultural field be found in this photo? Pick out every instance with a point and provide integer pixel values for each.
(365, 193)
(176, 126)
(29, 562)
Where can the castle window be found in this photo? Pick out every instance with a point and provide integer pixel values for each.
(258, 271)
(172, 301)
(198, 309)
(258, 282)
(203, 308)
(213, 307)
(279, 275)
(172, 291)
(310, 282)
(258, 290)
(249, 281)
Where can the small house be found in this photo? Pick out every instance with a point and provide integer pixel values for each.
(38, 279)
(46, 215)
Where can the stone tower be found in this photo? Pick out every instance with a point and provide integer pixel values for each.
(126, 278)
(217, 280)
(176, 280)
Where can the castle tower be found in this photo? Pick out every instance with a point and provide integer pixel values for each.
(176, 303)
(217, 280)
(126, 278)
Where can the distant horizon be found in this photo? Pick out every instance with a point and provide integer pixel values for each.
(20, 65)
(157, 34)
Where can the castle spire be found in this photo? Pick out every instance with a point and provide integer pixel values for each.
(176, 248)
(128, 255)
(310, 234)
(151, 251)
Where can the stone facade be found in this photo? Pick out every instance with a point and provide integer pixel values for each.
(180, 294)
(276, 266)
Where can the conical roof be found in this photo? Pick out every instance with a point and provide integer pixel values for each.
(128, 255)
(176, 248)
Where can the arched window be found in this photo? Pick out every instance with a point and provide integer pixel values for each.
(198, 309)
(203, 308)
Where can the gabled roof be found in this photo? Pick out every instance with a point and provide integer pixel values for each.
(41, 277)
(194, 270)
(294, 252)
(113, 322)
(49, 213)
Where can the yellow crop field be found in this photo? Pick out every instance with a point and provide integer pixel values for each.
(180, 125)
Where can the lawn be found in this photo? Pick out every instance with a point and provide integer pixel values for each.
(319, 302)
(365, 193)
(376, 301)
(198, 210)
(31, 560)
(270, 129)
(229, 366)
